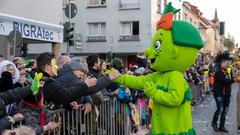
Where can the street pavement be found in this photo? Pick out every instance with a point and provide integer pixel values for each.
(202, 115)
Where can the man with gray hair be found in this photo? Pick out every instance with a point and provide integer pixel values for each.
(62, 60)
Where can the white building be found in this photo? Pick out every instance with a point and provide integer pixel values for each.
(123, 27)
(39, 23)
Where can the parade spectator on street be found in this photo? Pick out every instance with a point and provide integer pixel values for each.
(206, 79)
(32, 68)
(238, 102)
(18, 61)
(93, 62)
(9, 97)
(36, 116)
(53, 90)
(237, 67)
(22, 130)
(62, 60)
(23, 78)
(8, 66)
(222, 92)
(74, 73)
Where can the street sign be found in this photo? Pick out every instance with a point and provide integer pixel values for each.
(71, 10)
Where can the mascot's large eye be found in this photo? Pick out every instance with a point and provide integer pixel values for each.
(157, 45)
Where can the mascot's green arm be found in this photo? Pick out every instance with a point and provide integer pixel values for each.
(135, 82)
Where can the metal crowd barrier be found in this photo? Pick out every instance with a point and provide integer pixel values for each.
(109, 118)
(196, 91)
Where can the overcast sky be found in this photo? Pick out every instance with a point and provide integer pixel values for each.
(228, 11)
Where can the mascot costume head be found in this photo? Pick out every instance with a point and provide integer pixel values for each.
(175, 44)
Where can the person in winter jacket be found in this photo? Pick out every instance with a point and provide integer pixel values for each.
(222, 92)
(36, 116)
(9, 97)
(23, 80)
(55, 92)
(62, 60)
(9, 75)
(86, 100)
(73, 74)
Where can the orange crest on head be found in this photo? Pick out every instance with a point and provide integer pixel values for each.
(167, 17)
(165, 22)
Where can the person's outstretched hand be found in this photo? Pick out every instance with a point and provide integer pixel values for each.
(36, 83)
(87, 107)
(114, 74)
(74, 105)
(91, 81)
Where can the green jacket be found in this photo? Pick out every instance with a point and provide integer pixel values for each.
(171, 113)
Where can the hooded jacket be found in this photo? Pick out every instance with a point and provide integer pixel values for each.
(16, 75)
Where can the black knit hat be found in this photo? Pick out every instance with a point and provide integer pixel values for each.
(222, 57)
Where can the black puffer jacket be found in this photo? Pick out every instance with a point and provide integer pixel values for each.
(55, 91)
(67, 79)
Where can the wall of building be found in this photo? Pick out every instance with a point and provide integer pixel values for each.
(207, 30)
(49, 11)
(191, 17)
(112, 15)
(156, 14)
(210, 41)
(45, 11)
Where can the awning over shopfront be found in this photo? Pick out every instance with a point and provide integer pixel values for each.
(31, 29)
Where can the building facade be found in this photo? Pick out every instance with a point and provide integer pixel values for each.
(34, 21)
(209, 29)
(120, 27)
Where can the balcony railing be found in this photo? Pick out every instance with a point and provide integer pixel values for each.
(123, 4)
(129, 38)
(96, 39)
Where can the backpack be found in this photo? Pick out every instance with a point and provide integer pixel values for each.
(211, 80)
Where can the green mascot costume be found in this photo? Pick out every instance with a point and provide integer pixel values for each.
(173, 49)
